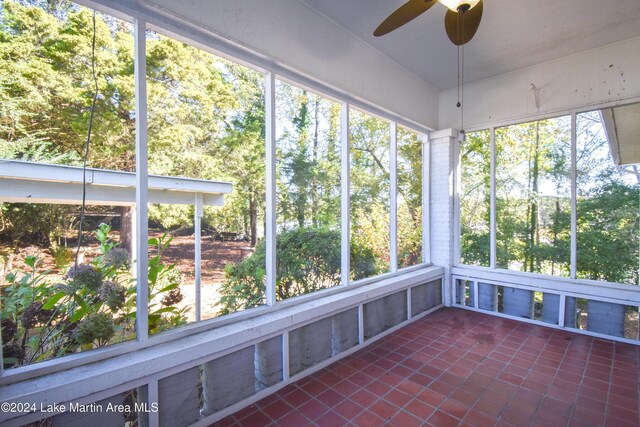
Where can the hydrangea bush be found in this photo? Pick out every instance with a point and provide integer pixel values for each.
(94, 305)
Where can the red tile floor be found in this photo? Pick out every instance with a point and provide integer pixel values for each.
(456, 367)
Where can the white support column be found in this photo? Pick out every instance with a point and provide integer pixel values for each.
(285, 356)
(393, 205)
(492, 207)
(345, 197)
(361, 324)
(476, 297)
(574, 198)
(152, 391)
(270, 140)
(426, 197)
(197, 221)
(441, 202)
(562, 310)
(142, 180)
(457, 188)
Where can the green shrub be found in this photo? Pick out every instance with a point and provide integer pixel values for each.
(95, 304)
(308, 259)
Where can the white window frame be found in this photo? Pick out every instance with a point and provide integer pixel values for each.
(145, 18)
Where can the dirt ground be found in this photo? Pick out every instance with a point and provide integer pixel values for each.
(215, 256)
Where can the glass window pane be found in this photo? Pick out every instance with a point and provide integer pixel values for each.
(608, 209)
(370, 197)
(206, 122)
(57, 300)
(308, 192)
(533, 194)
(409, 160)
(475, 198)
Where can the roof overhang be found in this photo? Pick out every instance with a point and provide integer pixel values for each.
(622, 126)
(27, 182)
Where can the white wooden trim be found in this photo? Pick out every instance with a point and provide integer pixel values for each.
(154, 397)
(345, 196)
(457, 188)
(409, 315)
(142, 182)
(552, 326)
(186, 352)
(285, 356)
(197, 221)
(315, 368)
(562, 309)
(620, 294)
(270, 140)
(426, 197)
(574, 197)
(167, 23)
(493, 222)
(44, 172)
(393, 200)
(361, 324)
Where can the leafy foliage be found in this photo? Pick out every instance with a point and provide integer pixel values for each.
(533, 201)
(308, 260)
(94, 305)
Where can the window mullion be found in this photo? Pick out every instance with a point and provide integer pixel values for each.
(393, 205)
(270, 141)
(574, 196)
(492, 212)
(426, 191)
(345, 188)
(142, 182)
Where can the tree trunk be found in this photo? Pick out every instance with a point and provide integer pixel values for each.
(126, 224)
(253, 221)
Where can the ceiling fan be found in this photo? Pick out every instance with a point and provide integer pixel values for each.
(461, 21)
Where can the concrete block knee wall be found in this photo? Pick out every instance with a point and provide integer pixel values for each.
(200, 393)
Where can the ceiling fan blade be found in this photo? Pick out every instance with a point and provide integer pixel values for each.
(462, 26)
(405, 13)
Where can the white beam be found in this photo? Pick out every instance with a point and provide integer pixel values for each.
(64, 193)
(102, 177)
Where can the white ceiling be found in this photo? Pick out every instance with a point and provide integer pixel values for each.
(513, 34)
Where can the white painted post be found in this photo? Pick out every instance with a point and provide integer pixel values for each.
(142, 180)
(393, 205)
(561, 310)
(285, 356)
(153, 394)
(197, 221)
(574, 197)
(270, 140)
(457, 188)
(426, 197)
(409, 304)
(476, 297)
(492, 213)
(345, 203)
(361, 324)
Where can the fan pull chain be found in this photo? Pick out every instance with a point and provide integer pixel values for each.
(460, 103)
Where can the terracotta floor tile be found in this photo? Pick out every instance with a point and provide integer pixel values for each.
(405, 419)
(442, 419)
(348, 409)
(368, 419)
(437, 372)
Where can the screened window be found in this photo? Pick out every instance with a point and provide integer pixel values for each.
(370, 195)
(308, 192)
